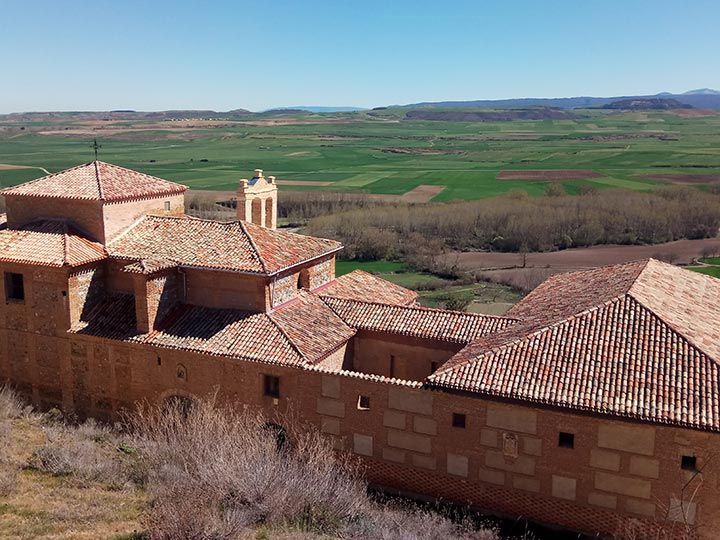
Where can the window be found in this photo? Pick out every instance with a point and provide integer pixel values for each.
(363, 403)
(458, 420)
(14, 287)
(272, 386)
(433, 367)
(688, 463)
(392, 365)
(566, 440)
(167, 206)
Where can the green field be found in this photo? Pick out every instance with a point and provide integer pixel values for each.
(360, 153)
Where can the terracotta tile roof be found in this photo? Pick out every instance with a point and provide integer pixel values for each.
(236, 245)
(360, 285)
(149, 266)
(416, 321)
(639, 340)
(300, 332)
(219, 332)
(312, 326)
(98, 181)
(48, 243)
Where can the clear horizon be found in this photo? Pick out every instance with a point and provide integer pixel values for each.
(187, 55)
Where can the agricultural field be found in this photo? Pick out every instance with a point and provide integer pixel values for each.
(384, 153)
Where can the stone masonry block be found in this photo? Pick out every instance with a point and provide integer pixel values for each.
(532, 446)
(457, 465)
(602, 459)
(394, 419)
(392, 454)
(512, 418)
(521, 464)
(362, 444)
(331, 407)
(330, 425)
(409, 441)
(489, 437)
(682, 511)
(526, 483)
(331, 387)
(564, 487)
(410, 401)
(647, 467)
(602, 499)
(492, 477)
(645, 508)
(623, 485)
(426, 462)
(428, 426)
(635, 439)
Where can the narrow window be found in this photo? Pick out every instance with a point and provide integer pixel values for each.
(14, 287)
(392, 365)
(167, 206)
(433, 367)
(363, 403)
(566, 440)
(458, 420)
(688, 463)
(272, 386)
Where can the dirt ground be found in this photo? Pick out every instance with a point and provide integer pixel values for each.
(544, 175)
(507, 267)
(680, 178)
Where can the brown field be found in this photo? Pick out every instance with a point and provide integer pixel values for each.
(684, 178)
(693, 113)
(507, 267)
(420, 194)
(545, 175)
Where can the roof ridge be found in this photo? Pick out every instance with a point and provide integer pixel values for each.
(253, 245)
(419, 308)
(99, 182)
(282, 331)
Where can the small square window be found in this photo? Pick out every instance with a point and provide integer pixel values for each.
(433, 367)
(688, 463)
(458, 420)
(566, 440)
(272, 386)
(167, 206)
(363, 403)
(14, 287)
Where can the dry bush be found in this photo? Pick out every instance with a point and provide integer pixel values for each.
(86, 453)
(219, 473)
(299, 206)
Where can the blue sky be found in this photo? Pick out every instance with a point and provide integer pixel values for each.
(158, 54)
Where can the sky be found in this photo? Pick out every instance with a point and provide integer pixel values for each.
(222, 55)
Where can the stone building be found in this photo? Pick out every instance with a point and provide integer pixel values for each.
(594, 404)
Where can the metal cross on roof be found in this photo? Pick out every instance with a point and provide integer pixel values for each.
(95, 146)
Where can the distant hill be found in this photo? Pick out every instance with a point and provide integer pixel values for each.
(704, 98)
(324, 109)
(647, 104)
(535, 113)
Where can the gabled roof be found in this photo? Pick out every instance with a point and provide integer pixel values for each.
(637, 340)
(97, 181)
(416, 321)
(360, 285)
(235, 245)
(313, 328)
(48, 243)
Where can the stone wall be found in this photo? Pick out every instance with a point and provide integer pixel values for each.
(86, 215)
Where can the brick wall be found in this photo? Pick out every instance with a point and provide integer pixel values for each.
(86, 215)
(119, 216)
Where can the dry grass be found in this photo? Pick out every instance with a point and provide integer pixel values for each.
(210, 473)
